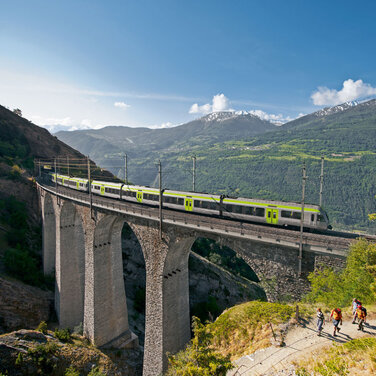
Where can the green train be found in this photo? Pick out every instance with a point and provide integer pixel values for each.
(253, 210)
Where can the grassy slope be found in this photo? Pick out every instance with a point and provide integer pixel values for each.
(356, 357)
(246, 327)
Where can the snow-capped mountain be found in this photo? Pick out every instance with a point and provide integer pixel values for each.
(333, 110)
(226, 115)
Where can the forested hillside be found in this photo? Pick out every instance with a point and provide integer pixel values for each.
(269, 165)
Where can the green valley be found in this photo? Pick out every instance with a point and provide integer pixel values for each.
(268, 164)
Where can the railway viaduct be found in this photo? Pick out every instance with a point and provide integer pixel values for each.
(82, 243)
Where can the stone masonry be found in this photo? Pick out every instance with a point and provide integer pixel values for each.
(84, 248)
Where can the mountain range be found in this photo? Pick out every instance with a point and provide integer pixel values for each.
(240, 154)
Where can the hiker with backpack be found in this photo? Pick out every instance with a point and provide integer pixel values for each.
(362, 314)
(337, 319)
(320, 321)
(355, 304)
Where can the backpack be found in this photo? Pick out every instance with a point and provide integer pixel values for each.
(364, 310)
(337, 315)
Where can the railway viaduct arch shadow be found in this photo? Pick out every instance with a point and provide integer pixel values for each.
(49, 235)
(70, 267)
(219, 278)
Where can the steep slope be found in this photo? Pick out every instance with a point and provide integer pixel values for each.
(20, 222)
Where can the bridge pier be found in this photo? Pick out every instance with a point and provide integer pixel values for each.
(167, 325)
(48, 234)
(70, 266)
(105, 312)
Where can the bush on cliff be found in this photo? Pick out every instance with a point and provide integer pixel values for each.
(240, 330)
(357, 280)
(199, 358)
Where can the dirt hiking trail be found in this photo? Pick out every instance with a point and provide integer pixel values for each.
(299, 342)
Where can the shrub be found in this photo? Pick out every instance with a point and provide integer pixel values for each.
(356, 280)
(41, 356)
(42, 327)
(17, 262)
(96, 372)
(19, 360)
(15, 172)
(63, 335)
(199, 358)
(71, 371)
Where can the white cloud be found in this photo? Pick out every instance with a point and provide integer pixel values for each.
(163, 125)
(219, 103)
(273, 118)
(351, 90)
(121, 105)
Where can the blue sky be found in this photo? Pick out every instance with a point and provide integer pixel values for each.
(160, 63)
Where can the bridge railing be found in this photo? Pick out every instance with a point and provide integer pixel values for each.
(239, 229)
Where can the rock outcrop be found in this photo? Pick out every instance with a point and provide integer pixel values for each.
(23, 306)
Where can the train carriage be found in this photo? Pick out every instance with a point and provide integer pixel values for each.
(277, 213)
(79, 184)
(107, 189)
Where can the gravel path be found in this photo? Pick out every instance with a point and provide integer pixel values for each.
(300, 341)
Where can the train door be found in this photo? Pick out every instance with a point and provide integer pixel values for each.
(78, 185)
(188, 204)
(272, 216)
(312, 219)
(139, 196)
(102, 189)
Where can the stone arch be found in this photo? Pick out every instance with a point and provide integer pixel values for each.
(70, 267)
(49, 235)
(276, 267)
(134, 272)
(106, 314)
(218, 286)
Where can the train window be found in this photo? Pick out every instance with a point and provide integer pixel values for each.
(296, 215)
(154, 197)
(180, 201)
(204, 204)
(213, 206)
(269, 214)
(197, 203)
(238, 209)
(286, 213)
(229, 207)
(312, 218)
(146, 196)
(260, 212)
(249, 210)
(321, 218)
(170, 200)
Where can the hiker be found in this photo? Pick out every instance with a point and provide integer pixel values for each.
(362, 314)
(337, 319)
(355, 304)
(320, 321)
